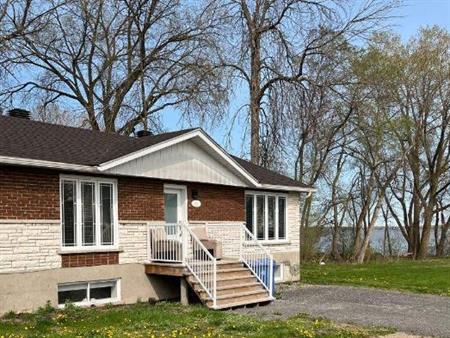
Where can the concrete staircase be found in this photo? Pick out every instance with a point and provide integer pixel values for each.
(236, 286)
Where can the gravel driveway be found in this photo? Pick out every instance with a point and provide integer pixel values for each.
(411, 313)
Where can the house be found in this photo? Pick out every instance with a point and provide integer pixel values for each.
(92, 217)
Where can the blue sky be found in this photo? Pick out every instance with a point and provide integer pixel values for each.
(412, 15)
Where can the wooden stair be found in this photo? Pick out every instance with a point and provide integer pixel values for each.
(236, 286)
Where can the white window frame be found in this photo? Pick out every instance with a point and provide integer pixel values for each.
(115, 217)
(280, 278)
(89, 301)
(181, 190)
(266, 195)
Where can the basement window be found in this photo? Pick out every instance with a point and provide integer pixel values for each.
(89, 293)
(278, 272)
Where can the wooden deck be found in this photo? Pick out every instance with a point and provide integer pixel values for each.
(166, 269)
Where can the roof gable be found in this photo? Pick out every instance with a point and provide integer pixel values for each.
(187, 160)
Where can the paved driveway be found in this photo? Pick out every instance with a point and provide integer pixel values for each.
(411, 313)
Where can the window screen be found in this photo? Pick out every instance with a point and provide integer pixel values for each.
(249, 203)
(106, 213)
(69, 213)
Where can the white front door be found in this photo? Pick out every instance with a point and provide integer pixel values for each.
(175, 207)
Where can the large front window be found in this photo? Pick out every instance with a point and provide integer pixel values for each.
(87, 212)
(266, 215)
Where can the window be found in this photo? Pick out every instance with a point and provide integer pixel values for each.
(265, 215)
(249, 211)
(88, 213)
(89, 293)
(278, 272)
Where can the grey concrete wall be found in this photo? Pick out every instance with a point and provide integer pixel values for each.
(27, 291)
(291, 265)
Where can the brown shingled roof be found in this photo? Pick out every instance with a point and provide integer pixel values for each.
(266, 176)
(35, 140)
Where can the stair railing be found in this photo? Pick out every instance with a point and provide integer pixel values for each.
(257, 258)
(178, 244)
(200, 262)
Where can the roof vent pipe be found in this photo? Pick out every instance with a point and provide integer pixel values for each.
(19, 113)
(143, 133)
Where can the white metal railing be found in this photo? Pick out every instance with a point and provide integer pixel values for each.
(165, 243)
(256, 258)
(177, 243)
(201, 263)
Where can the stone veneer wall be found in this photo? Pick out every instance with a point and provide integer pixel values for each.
(29, 245)
(34, 245)
(229, 234)
(133, 241)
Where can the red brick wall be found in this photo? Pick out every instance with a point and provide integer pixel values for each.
(141, 199)
(31, 193)
(89, 259)
(28, 193)
(219, 203)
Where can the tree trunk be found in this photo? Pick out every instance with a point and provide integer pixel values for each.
(362, 252)
(304, 222)
(417, 205)
(255, 97)
(335, 244)
(359, 223)
(388, 238)
(426, 230)
(443, 241)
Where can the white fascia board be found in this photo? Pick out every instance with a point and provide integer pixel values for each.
(288, 188)
(190, 135)
(46, 164)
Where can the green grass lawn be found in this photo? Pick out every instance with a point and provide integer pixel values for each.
(168, 320)
(427, 276)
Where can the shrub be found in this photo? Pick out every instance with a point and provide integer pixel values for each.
(44, 315)
(309, 242)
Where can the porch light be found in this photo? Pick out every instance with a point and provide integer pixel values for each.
(195, 201)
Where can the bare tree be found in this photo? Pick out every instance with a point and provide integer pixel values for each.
(122, 62)
(18, 18)
(277, 37)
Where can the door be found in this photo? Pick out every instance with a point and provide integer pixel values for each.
(175, 208)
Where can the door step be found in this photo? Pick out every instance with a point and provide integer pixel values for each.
(236, 286)
(248, 297)
(230, 305)
(232, 289)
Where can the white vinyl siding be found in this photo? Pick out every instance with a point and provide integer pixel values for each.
(88, 213)
(266, 215)
(185, 161)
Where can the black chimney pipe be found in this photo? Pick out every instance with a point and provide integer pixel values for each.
(143, 133)
(19, 113)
